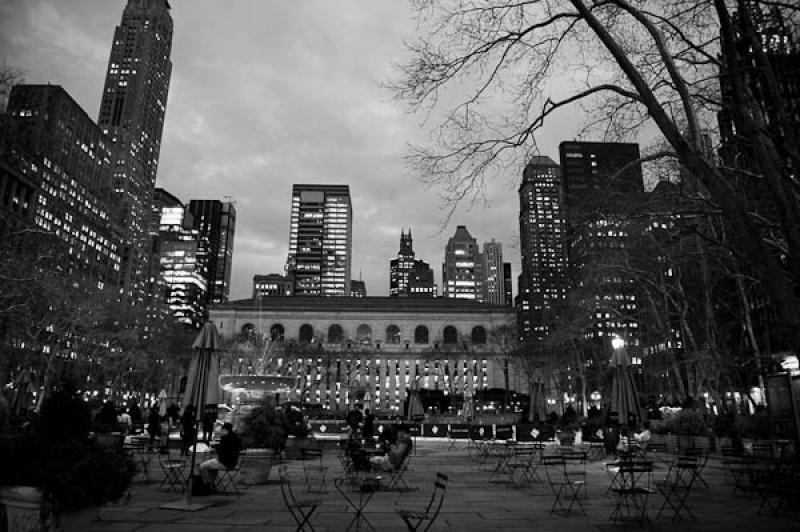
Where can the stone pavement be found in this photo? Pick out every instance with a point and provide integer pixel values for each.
(471, 503)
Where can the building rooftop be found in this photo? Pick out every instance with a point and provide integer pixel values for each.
(359, 304)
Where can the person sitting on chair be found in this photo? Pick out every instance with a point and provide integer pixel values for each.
(397, 452)
(643, 437)
(227, 455)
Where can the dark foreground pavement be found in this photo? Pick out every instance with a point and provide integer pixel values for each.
(471, 503)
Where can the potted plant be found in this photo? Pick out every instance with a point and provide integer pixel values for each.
(264, 434)
(58, 472)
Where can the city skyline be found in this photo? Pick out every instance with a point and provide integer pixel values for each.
(245, 136)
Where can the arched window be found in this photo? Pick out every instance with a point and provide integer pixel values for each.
(392, 334)
(364, 334)
(450, 335)
(248, 330)
(421, 335)
(276, 332)
(478, 335)
(306, 335)
(335, 334)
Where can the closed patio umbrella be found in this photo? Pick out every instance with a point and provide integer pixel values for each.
(415, 409)
(22, 400)
(538, 410)
(202, 391)
(162, 403)
(624, 397)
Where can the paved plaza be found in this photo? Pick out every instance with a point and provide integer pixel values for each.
(472, 502)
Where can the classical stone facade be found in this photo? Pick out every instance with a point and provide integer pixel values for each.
(381, 347)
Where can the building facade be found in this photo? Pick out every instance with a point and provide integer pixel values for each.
(59, 150)
(602, 181)
(508, 288)
(542, 283)
(462, 271)
(320, 240)
(380, 345)
(494, 282)
(216, 222)
(358, 288)
(273, 284)
(182, 272)
(132, 113)
(409, 276)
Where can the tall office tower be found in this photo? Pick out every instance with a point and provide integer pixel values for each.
(778, 41)
(60, 151)
(542, 283)
(216, 221)
(508, 290)
(182, 272)
(462, 271)
(409, 276)
(601, 182)
(494, 282)
(132, 115)
(320, 240)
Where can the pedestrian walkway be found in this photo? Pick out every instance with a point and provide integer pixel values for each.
(471, 503)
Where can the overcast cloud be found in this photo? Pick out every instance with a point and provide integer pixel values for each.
(265, 94)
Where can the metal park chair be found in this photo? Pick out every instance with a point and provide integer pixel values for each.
(300, 509)
(414, 519)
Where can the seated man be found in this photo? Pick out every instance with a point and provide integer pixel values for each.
(227, 455)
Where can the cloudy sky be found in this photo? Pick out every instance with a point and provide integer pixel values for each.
(265, 94)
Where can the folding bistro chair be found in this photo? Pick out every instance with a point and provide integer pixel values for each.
(525, 462)
(414, 519)
(300, 509)
(677, 486)
(227, 480)
(173, 469)
(632, 491)
(778, 486)
(561, 485)
(575, 466)
(314, 471)
(702, 459)
(396, 480)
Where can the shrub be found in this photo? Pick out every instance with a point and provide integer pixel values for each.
(756, 426)
(57, 456)
(689, 422)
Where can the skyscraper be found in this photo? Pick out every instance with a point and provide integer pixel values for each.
(182, 273)
(216, 222)
(508, 289)
(60, 151)
(601, 181)
(541, 227)
(132, 114)
(462, 271)
(494, 283)
(409, 276)
(320, 240)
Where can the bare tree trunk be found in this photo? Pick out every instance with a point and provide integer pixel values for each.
(748, 322)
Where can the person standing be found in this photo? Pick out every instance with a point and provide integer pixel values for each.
(188, 429)
(368, 431)
(153, 425)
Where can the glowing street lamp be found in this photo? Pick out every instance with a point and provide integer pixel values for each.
(617, 342)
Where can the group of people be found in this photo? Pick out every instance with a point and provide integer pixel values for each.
(395, 441)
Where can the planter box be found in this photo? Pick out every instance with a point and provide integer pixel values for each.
(23, 508)
(255, 465)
